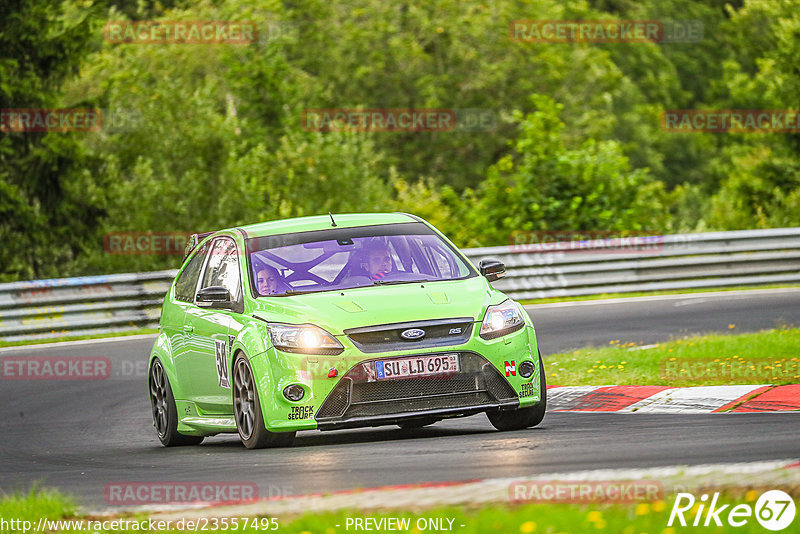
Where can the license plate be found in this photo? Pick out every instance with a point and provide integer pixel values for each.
(417, 366)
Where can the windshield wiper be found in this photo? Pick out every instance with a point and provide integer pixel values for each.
(298, 292)
(395, 282)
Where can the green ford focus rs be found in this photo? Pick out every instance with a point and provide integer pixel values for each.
(339, 321)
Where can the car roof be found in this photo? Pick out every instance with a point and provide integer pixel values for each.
(323, 222)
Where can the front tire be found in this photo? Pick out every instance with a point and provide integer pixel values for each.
(165, 414)
(523, 417)
(247, 411)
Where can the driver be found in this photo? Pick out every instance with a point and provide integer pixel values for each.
(378, 262)
(267, 280)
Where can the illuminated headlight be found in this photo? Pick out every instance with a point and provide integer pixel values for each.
(501, 320)
(303, 338)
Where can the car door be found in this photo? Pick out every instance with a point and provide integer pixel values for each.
(173, 314)
(208, 352)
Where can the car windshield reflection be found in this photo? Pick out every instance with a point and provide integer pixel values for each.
(351, 258)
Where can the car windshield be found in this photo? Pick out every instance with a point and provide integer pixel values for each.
(344, 258)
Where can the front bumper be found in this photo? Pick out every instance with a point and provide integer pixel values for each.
(358, 401)
(483, 383)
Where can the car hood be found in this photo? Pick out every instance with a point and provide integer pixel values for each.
(337, 311)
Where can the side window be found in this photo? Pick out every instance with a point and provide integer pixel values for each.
(187, 281)
(222, 268)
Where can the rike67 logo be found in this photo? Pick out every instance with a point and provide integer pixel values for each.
(774, 510)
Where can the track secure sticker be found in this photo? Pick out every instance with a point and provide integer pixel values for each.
(528, 390)
(221, 352)
(301, 412)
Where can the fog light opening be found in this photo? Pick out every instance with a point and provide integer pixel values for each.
(526, 369)
(294, 392)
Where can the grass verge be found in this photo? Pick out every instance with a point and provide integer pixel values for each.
(135, 332)
(551, 517)
(767, 357)
(35, 505)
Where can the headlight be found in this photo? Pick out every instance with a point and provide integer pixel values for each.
(303, 338)
(501, 320)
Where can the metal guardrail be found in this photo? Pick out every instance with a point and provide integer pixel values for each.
(119, 302)
(682, 261)
(83, 305)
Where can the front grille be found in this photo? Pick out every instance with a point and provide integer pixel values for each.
(477, 384)
(462, 400)
(337, 401)
(415, 387)
(387, 338)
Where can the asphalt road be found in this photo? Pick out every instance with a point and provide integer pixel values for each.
(79, 436)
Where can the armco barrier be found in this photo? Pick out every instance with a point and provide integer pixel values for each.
(104, 304)
(83, 305)
(683, 261)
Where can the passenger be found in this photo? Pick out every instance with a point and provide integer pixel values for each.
(378, 262)
(268, 281)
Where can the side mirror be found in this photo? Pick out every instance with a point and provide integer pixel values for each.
(492, 269)
(214, 297)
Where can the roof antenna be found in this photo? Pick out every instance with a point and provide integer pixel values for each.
(333, 223)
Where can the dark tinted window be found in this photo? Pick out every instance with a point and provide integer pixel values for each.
(187, 281)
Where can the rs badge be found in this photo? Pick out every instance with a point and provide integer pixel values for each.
(511, 368)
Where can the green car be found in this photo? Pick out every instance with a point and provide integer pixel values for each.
(337, 321)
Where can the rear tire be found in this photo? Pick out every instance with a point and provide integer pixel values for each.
(247, 411)
(523, 417)
(165, 414)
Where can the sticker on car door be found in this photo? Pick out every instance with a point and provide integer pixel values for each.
(221, 352)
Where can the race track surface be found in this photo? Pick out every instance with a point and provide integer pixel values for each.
(79, 436)
(570, 325)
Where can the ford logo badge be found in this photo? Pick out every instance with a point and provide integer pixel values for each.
(412, 333)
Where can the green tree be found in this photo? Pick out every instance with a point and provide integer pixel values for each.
(210, 138)
(759, 184)
(49, 203)
(544, 185)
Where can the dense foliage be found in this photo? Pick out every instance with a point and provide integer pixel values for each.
(205, 136)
